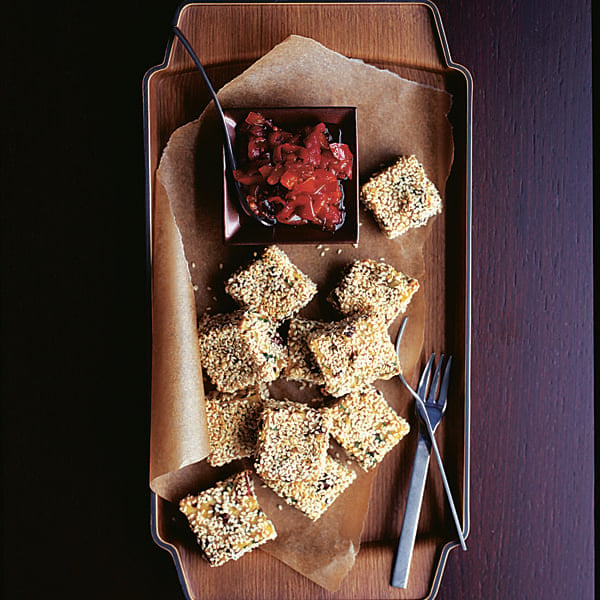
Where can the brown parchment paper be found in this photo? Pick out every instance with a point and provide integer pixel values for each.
(191, 265)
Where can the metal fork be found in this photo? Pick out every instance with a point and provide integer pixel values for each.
(430, 413)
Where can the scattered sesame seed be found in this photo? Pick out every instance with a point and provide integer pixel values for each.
(339, 251)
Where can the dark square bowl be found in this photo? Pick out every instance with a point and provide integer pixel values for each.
(240, 229)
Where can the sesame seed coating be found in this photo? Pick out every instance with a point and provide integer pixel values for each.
(292, 443)
(353, 353)
(240, 349)
(401, 197)
(272, 284)
(233, 423)
(366, 426)
(372, 286)
(227, 519)
(301, 365)
(314, 497)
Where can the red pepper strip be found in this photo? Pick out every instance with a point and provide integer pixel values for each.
(343, 154)
(286, 148)
(257, 146)
(278, 136)
(288, 216)
(255, 118)
(266, 170)
(276, 174)
(294, 174)
(302, 206)
(248, 178)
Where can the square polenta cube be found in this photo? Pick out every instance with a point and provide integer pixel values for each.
(301, 365)
(227, 519)
(313, 498)
(353, 353)
(272, 284)
(233, 423)
(401, 197)
(366, 426)
(240, 349)
(373, 286)
(292, 442)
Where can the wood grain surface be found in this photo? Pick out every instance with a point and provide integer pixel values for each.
(75, 315)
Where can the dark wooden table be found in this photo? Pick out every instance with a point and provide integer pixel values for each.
(75, 317)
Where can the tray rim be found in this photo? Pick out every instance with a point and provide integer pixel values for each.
(468, 79)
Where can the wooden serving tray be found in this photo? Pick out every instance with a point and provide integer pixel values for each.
(407, 39)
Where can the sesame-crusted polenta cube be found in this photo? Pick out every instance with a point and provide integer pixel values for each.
(401, 197)
(240, 349)
(233, 423)
(313, 498)
(353, 353)
(272, 284)
(366, 426)
(373, 286)
(227, 519)
(292, 442)
(301, 365)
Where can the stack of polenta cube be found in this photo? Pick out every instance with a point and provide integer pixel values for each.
(288, 442)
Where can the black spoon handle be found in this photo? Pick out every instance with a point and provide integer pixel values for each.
(213, 94)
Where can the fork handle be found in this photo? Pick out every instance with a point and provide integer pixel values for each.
(408, 534)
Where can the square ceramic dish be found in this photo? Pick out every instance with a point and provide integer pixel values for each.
(408, 40)
(238, 228)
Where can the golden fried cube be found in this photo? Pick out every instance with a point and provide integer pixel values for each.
(353, 353)
(366, 426)
(373, 286)
(227, 519)
(233, 424)
(272, 284)
(292, 443)
(313, 498)
(401, 197)
(240, 349)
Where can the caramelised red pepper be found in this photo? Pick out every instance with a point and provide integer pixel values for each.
(295, 177)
